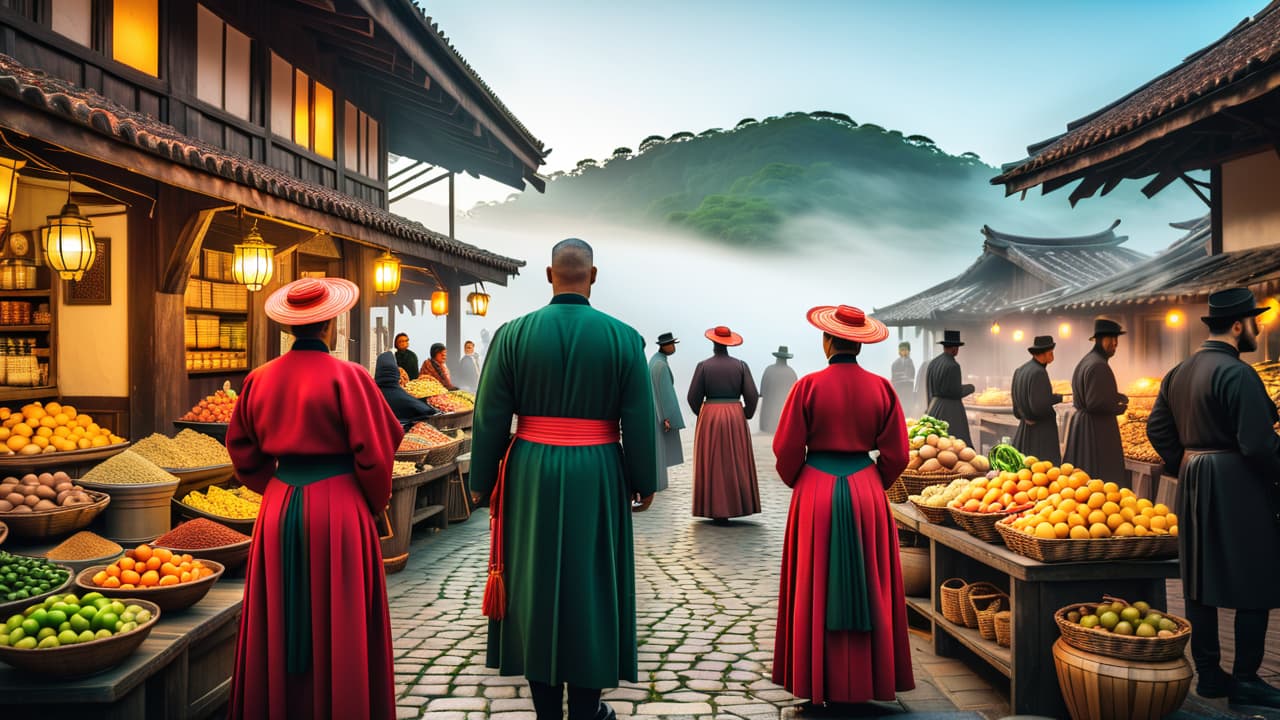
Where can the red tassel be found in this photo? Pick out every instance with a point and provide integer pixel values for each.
(494, 605)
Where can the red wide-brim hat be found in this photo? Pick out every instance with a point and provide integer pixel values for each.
(723, 336)
(312, 300)
(848, 322)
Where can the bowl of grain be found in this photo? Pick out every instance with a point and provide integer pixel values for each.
(83, 550)
(209, 540)
(140, 493)
(196, 459)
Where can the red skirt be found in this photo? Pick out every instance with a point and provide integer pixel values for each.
(840, 666)
(724, 464)
(350, 673)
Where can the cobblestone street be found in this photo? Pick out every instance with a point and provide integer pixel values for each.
(706, 598)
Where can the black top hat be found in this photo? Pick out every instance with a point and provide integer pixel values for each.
(1103, 327)
(904, 346)
(1233, 304)
(666, 338)
(782, 352)
(1043, 343)
(950, 338)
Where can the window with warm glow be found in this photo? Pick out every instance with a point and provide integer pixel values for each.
(135, 34)
(222, 64)
(301, 108)
(360, 143)
(322, 120)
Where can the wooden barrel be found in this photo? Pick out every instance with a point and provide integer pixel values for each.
(915, 570)
(1097, 687)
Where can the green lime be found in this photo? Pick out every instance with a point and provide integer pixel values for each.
(1108, 619)
(26, 643)
(46, 632)
(31, 626)
(54, 618)
(117, 607)
(14, 621)
(72, 609)
(16, 634)
(90, 597)
(88, 612)
(1089, 621)
(142, 616)
(65, 626)
(79, 623)
(1167, 624)
(41, 616)
(106, 620)
(1145, 630)
(68, 637)
(135, 609)
(58, 605)
(4, 640)
(99, 603)
(1131, 614)
(70, 598)
(128, 616)
(89, 635)
(1124, 627)
(49, 642)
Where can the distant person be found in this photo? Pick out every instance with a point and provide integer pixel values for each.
(945, 389)
(436, 367)
(667, 404)
(1033, 401)
(484, 344)
(406, 358)
(903, 375)
(723, 395)
(775, 384)
(920, 398)
(1093, 442)
(469, 367)
(407, 408)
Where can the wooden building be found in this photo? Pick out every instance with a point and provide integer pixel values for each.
(181, 127)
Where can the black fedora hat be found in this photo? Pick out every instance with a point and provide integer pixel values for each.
(1102, 327)
(1042, 343)
(1233, 304)
(950, 338)
(782, 352)
(666, 338)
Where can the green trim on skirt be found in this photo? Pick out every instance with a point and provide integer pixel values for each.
(848, 604)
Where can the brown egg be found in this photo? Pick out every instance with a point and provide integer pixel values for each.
(30, 479)
(7, 488)
(47, 480)
(15, 499)
(46, 493)
(45, 505)
(5, 506)
(31, 500)
(21, 509)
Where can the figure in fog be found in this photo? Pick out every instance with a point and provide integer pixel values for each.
(1093, 442)
(468, 368)
(945, 389)
(1033, 401)
(775, 384)
(667, 405)
(723, 395)
(903, 376)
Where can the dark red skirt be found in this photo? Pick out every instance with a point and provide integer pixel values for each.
(724, 464)
(840, 666)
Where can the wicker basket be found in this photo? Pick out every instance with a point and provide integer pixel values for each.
(1004, 628)
(443, 454)
(1126, 647)
(980, 525)
(950, 592)
(986, 606)
(917, 482)
(1093, 549)
(935, 515)
(449, 421)
(86, 658)
(457, 504)
(969, 613)
(44, 524)
(897, 492)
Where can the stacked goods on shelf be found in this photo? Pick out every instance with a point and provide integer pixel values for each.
(239, 504)
(423, 437)
(215, 408)
(36, 493)
(424, 387)
(1118, 629)
(468, 400)
(188, 449)
(993, 397)
(37, 428)
(23, 578)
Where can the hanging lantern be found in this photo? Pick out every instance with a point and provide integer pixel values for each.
(439, 303)
(1268, 317)
(9, 168)
(1064, 330)
(995, 328)
(1017, 336)
(479, 302)
(386, 273)
(253, 263)
(69, 247)
(1173, 319)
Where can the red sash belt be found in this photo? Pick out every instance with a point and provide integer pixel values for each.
(559, 431)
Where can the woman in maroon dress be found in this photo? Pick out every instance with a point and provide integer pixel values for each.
(723, 395)
(314, 435)
(842, 621)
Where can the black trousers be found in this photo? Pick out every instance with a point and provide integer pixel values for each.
(584, 703)
(1251, 639)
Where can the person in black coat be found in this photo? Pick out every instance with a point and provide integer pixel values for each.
(1033, 401)
(1093, 442)
(945, 389)
(406, 358)
(1212, 424)
(407, 408)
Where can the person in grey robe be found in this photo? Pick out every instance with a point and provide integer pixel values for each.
(903, 375)
(667, 404)
(920, 398)
(1093, 442)
(1033, 401)
(468, 375)
(775, 386)
(1212, 424)
(945, 389)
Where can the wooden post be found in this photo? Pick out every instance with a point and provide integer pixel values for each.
(453, 322)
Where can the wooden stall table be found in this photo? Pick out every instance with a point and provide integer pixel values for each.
(403, 513)
(1036, 590)
(182, 670)
(989, 424)
(1144, 477)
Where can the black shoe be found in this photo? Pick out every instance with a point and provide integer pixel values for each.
(1253, 693)
(720, 521)
(1213, 684)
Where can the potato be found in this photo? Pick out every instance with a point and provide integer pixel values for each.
(932, 440)
(46, 479)
(15, 498)
(980, 463)
(62, 495)
(5, 506)
(957, 444)
(21, 509)
(61, 477)
(44, 492)
(931, 466)
(73, 500)
(31, 500)
(964, 468)
(32, 449)
(45, 505)
(928, 452)
(948, 459)
(7, 488)
(915, 463)
(944, 443)
(62, 486)
(30, 479)
(47, 449)
(967, 454)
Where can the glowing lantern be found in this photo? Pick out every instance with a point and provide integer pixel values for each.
(1064, 330)
(1268, 317)
(69, 246)
(386, 273)
(9, 168)
(1174, 319)
(439, 303)
(1017, 336)
(479, 302)
(253, 262)
(995, 328)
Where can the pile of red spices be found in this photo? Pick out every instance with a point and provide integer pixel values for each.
(199, 534)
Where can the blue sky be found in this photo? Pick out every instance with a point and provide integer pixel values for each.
(988, 77)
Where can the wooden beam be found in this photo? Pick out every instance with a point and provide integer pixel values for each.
(186, 253)
(327, 13)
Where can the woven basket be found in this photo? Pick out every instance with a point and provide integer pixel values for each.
(950, 592)
(443, 454)
(449, 421)
(457, 501)
(986, 606)
(43, 524)
(980, 525)
(1093, 549)
(935, 515)
(1126, 647)
(969, 613)
(897, 492)
(1004, 628)
(917, 482)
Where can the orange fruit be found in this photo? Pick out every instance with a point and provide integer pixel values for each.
(150, 578)
(154, 562)
(69, 411)
(142, 552)
(169, 580)
(99, 442)
(23, 429)
(111, 582)
(53, 408)
(1061, 530)
(205, 572)
(127, 586)
(126, 563)
(1080, 532)
(185, 577)
(1099, 530)
(164, 554)
(84, 443)
(168, 569)
(113, 570)
(16, 442)
(100, 577)
(129, 577)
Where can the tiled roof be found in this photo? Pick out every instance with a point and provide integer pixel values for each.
(1072, 262)
(93, 111)
(1251, 48)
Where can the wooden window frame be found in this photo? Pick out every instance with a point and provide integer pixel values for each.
(222, 101)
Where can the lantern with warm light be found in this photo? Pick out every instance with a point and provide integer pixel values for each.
(1265, 319)
(479, 302)
(439, 303)
(995, 328)
(9, 168)
(1017, 336)
(1174, 319)
(1064, 330)
(386, 273)
(69, 246)
(253, 263)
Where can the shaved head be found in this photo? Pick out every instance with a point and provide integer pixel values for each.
(572, 267)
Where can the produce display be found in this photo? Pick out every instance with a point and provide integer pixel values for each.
(1143, 387)
(144, 567)
(68, 619)
(1000, 494)
(939, 495)
(24, 577)
(1122, 618)
(37, 428)
(46, 491)
(993, 397)
(934, 452)
(188, 449)
(464, 395)
(215, 408)
(423, 437)
(238, 504)
(424, 387)
(127, 468)
(927, 425)
(1061, 387)
(403, 468)
(450, 403)
(1070, 504)
(1006, 458)
(84, 545)
(200, 534)
(1133, 431)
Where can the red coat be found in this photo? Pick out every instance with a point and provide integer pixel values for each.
(842, 409)
(309, 403)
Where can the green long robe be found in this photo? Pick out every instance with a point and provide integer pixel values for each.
(570, 569)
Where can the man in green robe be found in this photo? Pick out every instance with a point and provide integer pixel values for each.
(568, 565)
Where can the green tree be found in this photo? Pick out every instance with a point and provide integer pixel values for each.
(746, 121)
(651, 140)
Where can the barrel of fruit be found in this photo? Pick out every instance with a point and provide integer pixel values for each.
(1098, 687)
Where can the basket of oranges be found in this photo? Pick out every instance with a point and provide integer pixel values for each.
(171, 581)
(39, 435)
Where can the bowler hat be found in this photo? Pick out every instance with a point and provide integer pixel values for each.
(782, 352)
(1102, 327)
(1233, 304)
(1042, 343)
(666, 338)
(950, 338)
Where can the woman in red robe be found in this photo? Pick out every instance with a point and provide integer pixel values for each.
(842, 620)
(314, 435)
